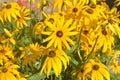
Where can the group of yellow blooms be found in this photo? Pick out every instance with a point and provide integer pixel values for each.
(75, 40)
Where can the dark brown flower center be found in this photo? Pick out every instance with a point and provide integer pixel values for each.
(60, 14)
(104, 32)
(4, 70)
(8, 6)
(82, 70)
(59, 33)
(90, 11)
(2, 51)
(51, 20)
(75, 10)
(85, 32)
(89, 45)
(111, 21)
(95, 67)
(18, 17)
(93, 6)
(51, 54)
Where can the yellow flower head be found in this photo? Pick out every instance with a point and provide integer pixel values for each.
(105, 39)
(6, 51)
(9, 71)
(10, 10)
(115, 67)
(21, 20)
(54, 59)
(97, 70)
(31, 53)
(32, 1)
(59, 33)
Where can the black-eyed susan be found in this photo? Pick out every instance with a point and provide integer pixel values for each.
(31, 1)
(54, 60)
(31, 53)
(10, 10)
(115, 67)
(112, 21)
(60, 4)
(9, 71)
(24, 16)
(105, 39)
(74, 8)
(97, 70)
(81, 76)
(38, 28)
(91, 14)
(41, 3)
(6, 51)
(59, 33)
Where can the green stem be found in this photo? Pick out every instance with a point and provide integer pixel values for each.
(78, 48)
(90, 54)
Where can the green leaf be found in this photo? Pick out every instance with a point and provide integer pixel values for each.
(39, 76)
(74, 61)
(71, 50)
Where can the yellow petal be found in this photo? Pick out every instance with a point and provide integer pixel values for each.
(49, 66)
(7, 32)
(59, 64)
(105, 73)
(55, 68)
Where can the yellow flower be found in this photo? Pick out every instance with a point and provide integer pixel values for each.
(74, 8)
(41, 3)
(91, 14)
(97, 70)
(21, 21)
(55, 59)
(59, 33)
(6, 51)
(10, 10)
(31, 53)
(105, 39)
(9, 71)
(112, 21)
(60, 4)
(38, 28)
(81, 76)
(115, 67)
(32, 1)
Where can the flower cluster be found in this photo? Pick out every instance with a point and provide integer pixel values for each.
(60, 39)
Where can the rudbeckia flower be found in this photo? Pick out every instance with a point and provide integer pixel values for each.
(74, 8)
(59, 33)
(31, 53)
(115, 67)
(105, 39)
(6, 51)
(97, 70)
(24, 16)
(60, 4)
(54, 60)
(33, 1)
(9, 71)
(112, 21)
(10, 10)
